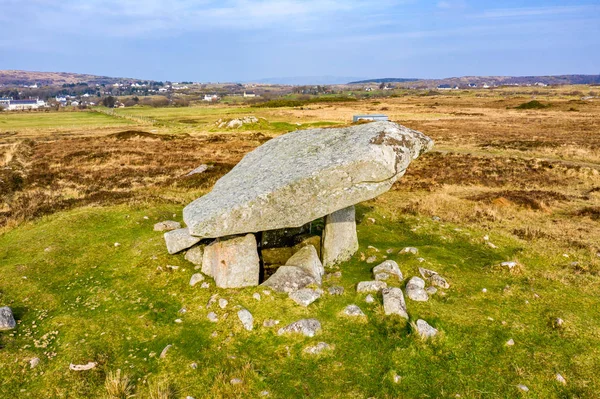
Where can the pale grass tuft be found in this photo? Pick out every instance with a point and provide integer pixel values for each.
(118, 386)
(162, 389)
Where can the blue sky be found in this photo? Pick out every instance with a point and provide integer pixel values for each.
(242, 40)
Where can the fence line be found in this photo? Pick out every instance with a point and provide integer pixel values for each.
(133, 118)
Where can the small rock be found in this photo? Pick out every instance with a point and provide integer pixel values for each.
(246, 318)
(205, 285)
(307, 327)
(396, 378)
(194, 366)
(510, 342)
(305, 296)
(415, 290)
(316, 349)
(558, 322)
(439, 281)
(353, 310)
(510, 265)
(523, 388)
(7, 320)
(393, 302)
(373, 248)
(178, 321)
(256, 296)
(83, 367)
(265, 393)
(196, 278)
(266, 292)
(270, 323)
(371, 259)
(426, 273)
(431, 290)
(172, 268)
(561, 379)
(212, 316)
(163, 354)
(425, 330)
(182, 311)
(420, 260)
(336, 290)
(200, 169)
(369, 299)
(436, 218)
(389, 251)
(388, 267)
(289, 279)
(372, 220)
(34, 362)
(167, 225)
(223, 303)
(236, 381)
(484, 290)
(370, 286)
(117, 244)
(491, 245)
(410, 250)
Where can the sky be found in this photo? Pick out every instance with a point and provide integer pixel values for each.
(246, 40)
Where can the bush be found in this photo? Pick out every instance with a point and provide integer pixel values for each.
(532, 105)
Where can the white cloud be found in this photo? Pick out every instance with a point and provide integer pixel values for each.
(535, 11)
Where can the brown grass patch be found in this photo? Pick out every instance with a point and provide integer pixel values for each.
(532, 199)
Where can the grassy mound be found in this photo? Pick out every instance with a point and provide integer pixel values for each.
(534, 104)
(79, 298)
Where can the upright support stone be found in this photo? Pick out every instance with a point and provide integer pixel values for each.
(340, 240)
(233, 262)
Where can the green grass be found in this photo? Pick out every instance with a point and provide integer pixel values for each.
(111, 305)
(57, 120)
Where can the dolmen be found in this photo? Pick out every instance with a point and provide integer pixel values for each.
(260, 213)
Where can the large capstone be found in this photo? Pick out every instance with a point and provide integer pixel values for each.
(232, 262)
(340, 240)
(301, 176)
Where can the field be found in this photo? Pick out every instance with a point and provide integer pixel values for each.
(505, 182)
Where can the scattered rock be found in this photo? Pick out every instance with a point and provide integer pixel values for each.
(510, 265)
(246, 318)
(317, 349)
(436, 218)
(117, 244)
(336, 290)
(393, 302)
(426, 273)
(163, 354)
(196, 278)
(388, 267)
(307, 258)
(410, 250)
(389, 251)
(7, 320)
(353, 310)
(431, 290)
(82, 367)
(561, 379)
(223, 303)
(180, 239)
(289, 279)
(34, 362)
(167, 225)
(270, 323)
(236, 381)
(523, 388)
(510, 342)
(340, 240)
(371, 259)
(307, 327)
(484, 290)
(256, 296)
(200, 169)
(212, 316)
(396, 378)
(558, 322)
(232, 262)
(305, 296)
(425, 330)
(194, 365)
(370, 286)
(172, 268)
(195, 254)
(369, 299)
(381, 276)
(265, 393)
(205, 285)
(415, 290)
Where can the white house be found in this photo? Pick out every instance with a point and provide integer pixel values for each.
(249, 94)
(211, 97)
(17, 105)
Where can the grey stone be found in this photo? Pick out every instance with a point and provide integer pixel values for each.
(305, 296)
(426, 273)
(196, 278)
(523, 388)
(308, 259)
(270, 323)
(353, 310)
(393, 302)
(167, 225)
(336, 290)
(369, 299)
(195, 254)
(232, 262)
(431, 290)
(388, 267)
(256, 296)
(381, 276)
(439, 281)
(7, 320)
(410, 250)
(83, 367)
(223, 303)
(236, 381)
(306, 327)
(370, 286)
(246, 318)
(425, 330)
(415, 290)
(180, 239)
(212, 316)
(200, 169)
(340, 240)
(301, 176)
(372, 259)
(34, 362)
(289, 279)
(317, 349)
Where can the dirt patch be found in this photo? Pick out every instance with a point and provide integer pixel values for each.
(521, 145)
(532, 199)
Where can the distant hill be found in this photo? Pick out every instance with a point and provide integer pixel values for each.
(18, 78)
(384, 80)
(480, 81)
